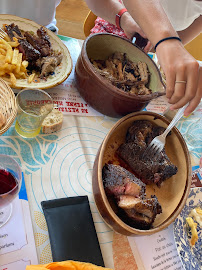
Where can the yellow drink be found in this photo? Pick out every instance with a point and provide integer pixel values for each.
(33, 106)
(26, 133)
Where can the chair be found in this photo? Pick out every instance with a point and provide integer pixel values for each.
(195, 47)
(89, 23)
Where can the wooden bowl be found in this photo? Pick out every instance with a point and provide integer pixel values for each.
(7, 106)
(101, 94)
(173, 192)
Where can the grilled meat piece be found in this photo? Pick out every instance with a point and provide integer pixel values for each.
(118, 181)
(13, 31)
(128, 201)
(129, 195)
(48, 64)
(140, 213)
(139, 210)
(137, 220)
(41, 33)
(149, 170)
(29, 52)
(148, 207)
(40, 42)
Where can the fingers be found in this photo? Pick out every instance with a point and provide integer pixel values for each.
(148, 47)
(197, 99)
(189, 92)
(177, 91)
(170, 82)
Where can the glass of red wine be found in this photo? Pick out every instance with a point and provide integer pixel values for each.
(10, 184)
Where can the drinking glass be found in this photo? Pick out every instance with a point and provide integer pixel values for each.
(10, 184)
(33, 105)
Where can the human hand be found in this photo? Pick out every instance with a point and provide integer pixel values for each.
(179, 66)
(131, 28)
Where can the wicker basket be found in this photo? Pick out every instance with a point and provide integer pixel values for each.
(7, 105)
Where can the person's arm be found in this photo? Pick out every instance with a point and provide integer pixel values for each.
(178, 65)
(107, 9)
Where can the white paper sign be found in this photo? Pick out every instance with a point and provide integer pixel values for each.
(15, 265)
(157, 251)
(17, 244)
(12, 235)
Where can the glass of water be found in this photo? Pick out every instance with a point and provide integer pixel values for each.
(33, 105)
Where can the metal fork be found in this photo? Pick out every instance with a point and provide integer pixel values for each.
(3, 34)
(158, 143)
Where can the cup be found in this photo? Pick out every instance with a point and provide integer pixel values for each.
(33, 105)
(10, 184)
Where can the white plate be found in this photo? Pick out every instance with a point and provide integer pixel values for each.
(61, 72)
(191, 257)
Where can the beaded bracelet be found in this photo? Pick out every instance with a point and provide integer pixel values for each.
(166, 39)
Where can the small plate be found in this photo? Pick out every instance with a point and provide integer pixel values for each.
(61, 72)
(191, 256)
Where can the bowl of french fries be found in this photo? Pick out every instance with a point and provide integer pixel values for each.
(8, 109)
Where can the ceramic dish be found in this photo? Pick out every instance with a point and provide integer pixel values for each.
(98, 92)
(173, 192)
(191, 257)
(61, 72)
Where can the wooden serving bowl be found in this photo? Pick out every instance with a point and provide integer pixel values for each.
(173, 192)
(100, 93)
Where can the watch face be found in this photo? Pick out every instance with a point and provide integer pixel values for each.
(140, 41)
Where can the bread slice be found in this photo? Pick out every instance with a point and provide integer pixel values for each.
(52, 122)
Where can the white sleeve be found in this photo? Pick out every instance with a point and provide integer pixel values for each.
(182, 13)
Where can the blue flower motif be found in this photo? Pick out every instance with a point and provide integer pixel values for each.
(40, 149)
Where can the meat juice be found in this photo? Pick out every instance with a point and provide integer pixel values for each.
(7, 182)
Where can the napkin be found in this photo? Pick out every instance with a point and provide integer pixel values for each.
(66, 265)
(71, 230)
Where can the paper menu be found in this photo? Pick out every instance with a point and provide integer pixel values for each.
(66, 95)
(17, 244)
(157, 251)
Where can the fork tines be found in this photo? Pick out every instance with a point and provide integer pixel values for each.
(3, 34)
(153, 149)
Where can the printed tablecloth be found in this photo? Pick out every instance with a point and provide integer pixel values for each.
(60, 165)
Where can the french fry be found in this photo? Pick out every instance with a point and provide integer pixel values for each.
(3, 46)
(2, 72)
(31, 78)
(9, 55)
(2, 51)
(19, 62)
(4, 66)
(14, 43)
(13, 79)
(15, 57)
(12, 66)
(25, 64)
(8, 46)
